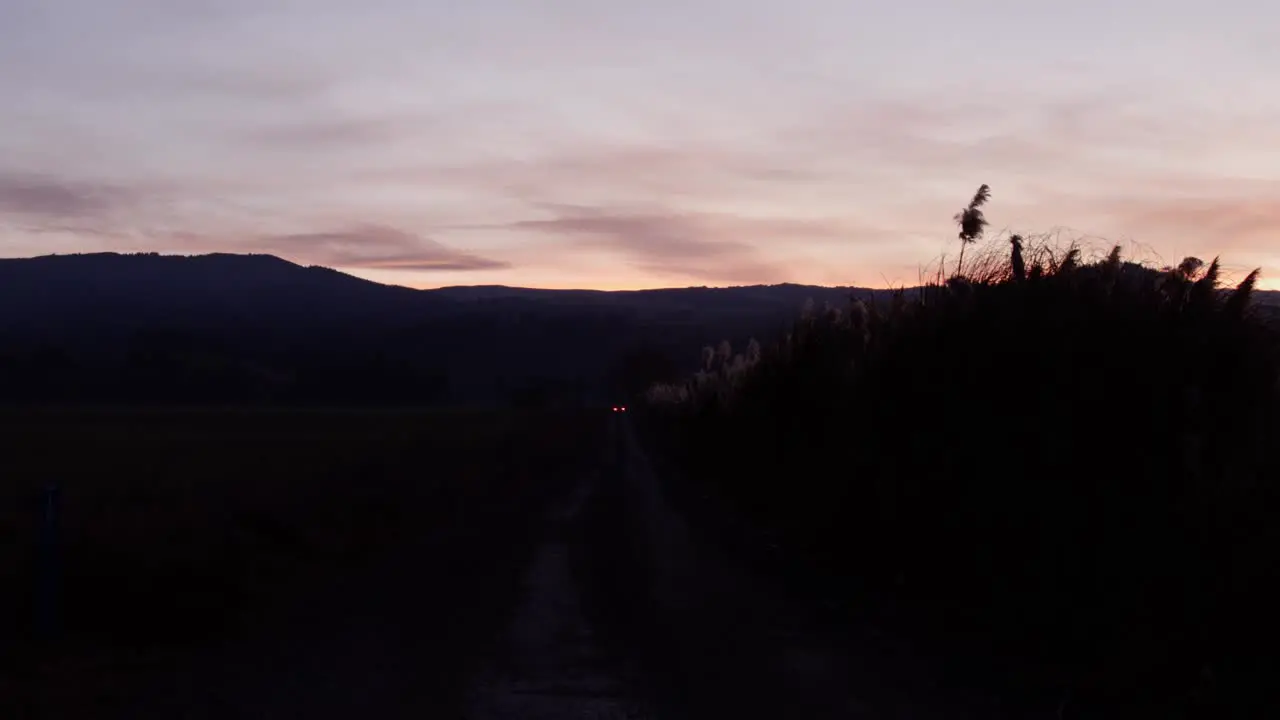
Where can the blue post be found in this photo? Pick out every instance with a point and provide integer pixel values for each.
(49, 570)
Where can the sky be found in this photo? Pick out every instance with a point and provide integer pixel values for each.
(626, 144)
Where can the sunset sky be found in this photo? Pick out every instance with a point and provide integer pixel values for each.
(626, 144)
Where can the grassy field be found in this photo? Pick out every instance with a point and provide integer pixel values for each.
(177, 527)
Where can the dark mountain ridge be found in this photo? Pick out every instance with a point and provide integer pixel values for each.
(262, 321)
(108, 289)
(107, 327)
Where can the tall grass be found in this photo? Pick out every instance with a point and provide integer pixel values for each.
(1071, 457)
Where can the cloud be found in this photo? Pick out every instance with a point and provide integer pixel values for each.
(228, 81)
(143, 217)
(372, 246)
(319, 132)
(854, 159)
(1231, 222)
(588, 171)
(46, 197)
(334, 132)
(714, 247)
(1241, 227)
(1032, 147)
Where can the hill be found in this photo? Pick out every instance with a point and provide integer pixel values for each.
(255, 328)
(108, 328)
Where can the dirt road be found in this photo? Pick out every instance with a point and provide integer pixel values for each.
(626, 613)
(601, 605)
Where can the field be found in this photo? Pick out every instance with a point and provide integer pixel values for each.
(180, 531)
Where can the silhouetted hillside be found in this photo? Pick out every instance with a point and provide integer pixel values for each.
(255, 328)
(55, 293)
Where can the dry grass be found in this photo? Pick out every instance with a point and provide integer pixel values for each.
(1062, 453)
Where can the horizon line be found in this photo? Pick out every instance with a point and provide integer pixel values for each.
(355, 273)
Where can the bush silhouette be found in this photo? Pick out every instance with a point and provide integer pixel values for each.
(1069, 459)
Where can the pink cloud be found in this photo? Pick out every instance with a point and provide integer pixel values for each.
(46, 197)
(667, 244)
(375, 247)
